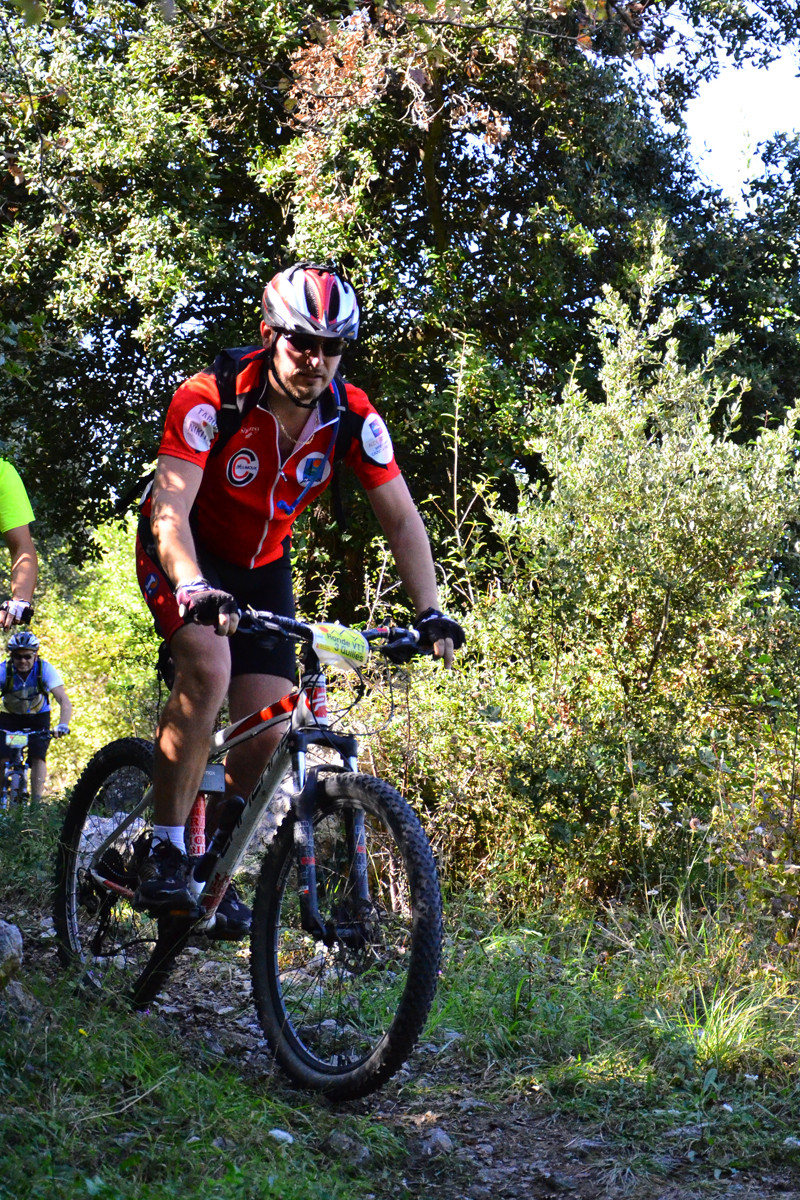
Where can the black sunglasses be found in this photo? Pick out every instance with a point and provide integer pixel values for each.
(331, 347)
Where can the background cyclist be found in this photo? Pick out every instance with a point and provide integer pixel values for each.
(219, 526)
(16, 515)
(26, 683)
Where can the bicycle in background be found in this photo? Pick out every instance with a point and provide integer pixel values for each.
(346, 934)
(15, 769)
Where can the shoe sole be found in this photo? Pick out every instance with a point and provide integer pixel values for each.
(183, 906)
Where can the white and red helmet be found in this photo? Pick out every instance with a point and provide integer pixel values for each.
(311, 299)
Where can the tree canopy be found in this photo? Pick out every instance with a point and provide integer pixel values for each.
(480, 170)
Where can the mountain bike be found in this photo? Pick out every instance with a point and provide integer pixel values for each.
(346, 933)
(14, 770)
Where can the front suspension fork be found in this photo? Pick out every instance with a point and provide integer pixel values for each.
(305, 852)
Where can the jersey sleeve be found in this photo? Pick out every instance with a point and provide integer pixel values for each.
(370, 453)
(191, 423)
(15, 507)
(51, 678)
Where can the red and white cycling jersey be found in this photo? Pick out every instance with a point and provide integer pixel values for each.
(237, 512)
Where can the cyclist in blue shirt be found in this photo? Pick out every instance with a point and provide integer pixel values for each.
(26, 684)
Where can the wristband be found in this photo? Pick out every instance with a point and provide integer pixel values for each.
(184, 592)
(198, 584)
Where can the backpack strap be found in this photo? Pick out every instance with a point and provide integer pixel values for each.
(233, 406)
(226, 369)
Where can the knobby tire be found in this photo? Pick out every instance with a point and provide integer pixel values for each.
(342, 1016)
(120, 950)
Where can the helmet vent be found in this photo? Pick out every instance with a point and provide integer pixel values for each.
(333, 304)
(312, 300)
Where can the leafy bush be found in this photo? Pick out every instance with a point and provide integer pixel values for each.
(637, 627)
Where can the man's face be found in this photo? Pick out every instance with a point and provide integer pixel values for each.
(23, 660)
(302, 364)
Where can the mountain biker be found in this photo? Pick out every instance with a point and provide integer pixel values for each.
(219, 525)
(26, 683)
(16, 515)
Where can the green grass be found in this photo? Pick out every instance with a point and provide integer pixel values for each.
(98, 1102)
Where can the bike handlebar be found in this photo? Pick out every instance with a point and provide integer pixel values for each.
(394, 642)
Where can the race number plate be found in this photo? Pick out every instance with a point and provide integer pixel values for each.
(16, 739)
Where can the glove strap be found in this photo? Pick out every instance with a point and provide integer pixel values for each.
(184, 591)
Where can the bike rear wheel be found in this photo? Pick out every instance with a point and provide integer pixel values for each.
(343, 1014)
(106, 835)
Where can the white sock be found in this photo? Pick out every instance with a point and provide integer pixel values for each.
(171, 833)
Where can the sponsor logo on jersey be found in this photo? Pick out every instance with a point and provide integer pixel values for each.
(242, 468)
(376, 441)
(310, 469)
(200, 427)
(151, 584)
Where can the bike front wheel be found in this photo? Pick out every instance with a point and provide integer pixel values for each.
(342, 1014)
(106, 836)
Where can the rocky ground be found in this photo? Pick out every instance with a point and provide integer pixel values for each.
(461, 1140)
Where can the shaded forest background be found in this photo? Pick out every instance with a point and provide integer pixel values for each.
(588, 359)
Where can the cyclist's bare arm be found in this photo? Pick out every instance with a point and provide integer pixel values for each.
(408, 541)
(24, 568)
(175, 487)
(64, 704)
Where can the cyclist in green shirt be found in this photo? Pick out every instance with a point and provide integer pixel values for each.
(16, 515)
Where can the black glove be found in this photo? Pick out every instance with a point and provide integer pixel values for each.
(199, 601)
(433, 625)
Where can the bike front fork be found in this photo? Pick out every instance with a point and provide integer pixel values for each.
(305, 855)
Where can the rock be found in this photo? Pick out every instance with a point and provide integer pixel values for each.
(280, 1135)
(14, 998)
(437, 1142)
(10, 952)
(343, 1146)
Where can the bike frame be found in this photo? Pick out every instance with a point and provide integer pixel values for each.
(15, 764)
(306, 728)
(18, 763)
(306, 712)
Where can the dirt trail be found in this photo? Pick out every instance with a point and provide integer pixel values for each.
(461, 1143)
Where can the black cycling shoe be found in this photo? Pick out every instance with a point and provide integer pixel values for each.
(233, 917)
(163, 880)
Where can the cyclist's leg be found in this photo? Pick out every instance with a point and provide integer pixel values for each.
(37, 753)
(244, 763)
(202, 668)
(260, 674)
(38, 776)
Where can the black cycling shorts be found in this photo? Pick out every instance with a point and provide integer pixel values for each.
(268, 587)
(13, 722)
